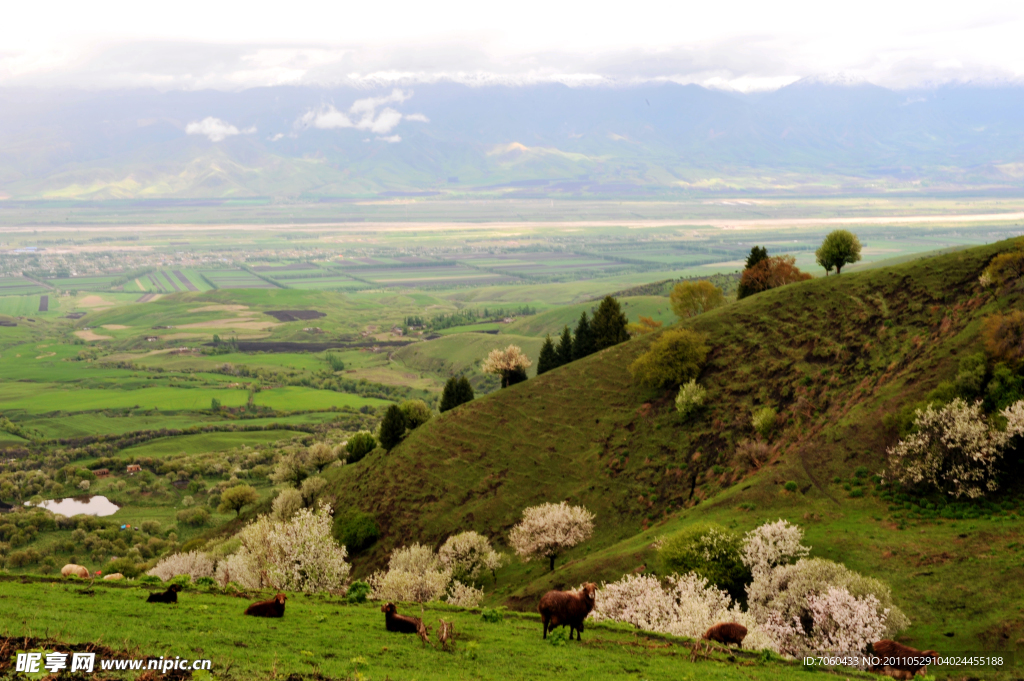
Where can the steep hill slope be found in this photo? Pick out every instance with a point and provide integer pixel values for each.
(833, 356)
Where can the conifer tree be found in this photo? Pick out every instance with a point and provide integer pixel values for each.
(449, 395)
(464, 391)
(548, 359)
(456, 391)
(392, 428)
(583, 339)
(609, 325)
(565, 347)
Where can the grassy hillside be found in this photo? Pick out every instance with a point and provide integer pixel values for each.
(322, 637)
(833, 356)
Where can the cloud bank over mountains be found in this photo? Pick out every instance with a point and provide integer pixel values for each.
(743, 45)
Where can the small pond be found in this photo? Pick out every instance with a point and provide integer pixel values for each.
(87, 505)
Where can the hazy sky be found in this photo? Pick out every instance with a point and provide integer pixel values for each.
(191, 44)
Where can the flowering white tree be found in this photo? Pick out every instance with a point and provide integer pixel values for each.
(467, 554)
(772, 544)
(414, 574)
(781, 594)
(195, 564)
(511, 364)
(295, 555)
(237, 568)
(463, 595)
(952, 449)
(688, 606)
(1014, 415)
(840, 623)
(549, 529)
(287, 504)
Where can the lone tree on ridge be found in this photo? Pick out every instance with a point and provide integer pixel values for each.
(839, 248)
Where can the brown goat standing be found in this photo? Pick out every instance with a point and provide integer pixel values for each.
(272, 608)
(567, 608)
(169, 596)
(726, 632)
(890, 651)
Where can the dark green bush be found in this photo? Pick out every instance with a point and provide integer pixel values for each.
(710, 551)
(196, 516)
(790, 486)
(492, 615)
(126, 566)
(359, 445)
(357, 592)
(355, 530)
(206, 582)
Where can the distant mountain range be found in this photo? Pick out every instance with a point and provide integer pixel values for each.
(541, 140)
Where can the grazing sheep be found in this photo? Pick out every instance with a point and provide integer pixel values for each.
(905, 658)
(567, 608)
(726, 632)
(169, 596)
(399, 623)
(72, 570)
(272, 608)
(113, 577)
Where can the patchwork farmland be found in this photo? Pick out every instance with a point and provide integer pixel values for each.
(19, 286)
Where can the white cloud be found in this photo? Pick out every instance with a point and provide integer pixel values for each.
(216, 129)
(276, 137)
(363, 115)
(741, 44)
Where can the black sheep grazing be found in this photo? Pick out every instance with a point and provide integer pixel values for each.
(169, 596)
(272, 608)
(399, 623)
(567, 608)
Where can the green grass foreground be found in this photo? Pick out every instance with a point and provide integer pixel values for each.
(323, 635)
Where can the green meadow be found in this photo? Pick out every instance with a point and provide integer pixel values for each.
(322, 636)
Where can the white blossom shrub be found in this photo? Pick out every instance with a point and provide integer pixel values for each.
(1014, 415)
(550, 529)
(287, 504)
(841, 623)
(414, 573)
(295, 555)
(236, 568)
(464, 595)
(783, 592)
(399, 585)
(688, 606)
(772, 544)
(691, 397)
(953, 449)
(505, 361)
(194, 564)
(467, 554)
